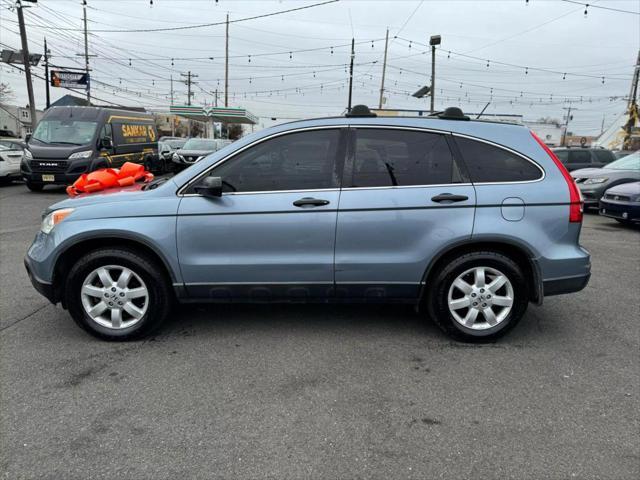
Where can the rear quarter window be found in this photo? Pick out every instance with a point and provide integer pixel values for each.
(489, 163)
(604, 156)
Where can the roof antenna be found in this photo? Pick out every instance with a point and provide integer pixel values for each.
(485, 107)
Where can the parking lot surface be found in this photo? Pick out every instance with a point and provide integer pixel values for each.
(322, 391)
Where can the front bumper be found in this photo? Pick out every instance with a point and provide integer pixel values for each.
(67, 171)
(44, 288)
(620, 210)
(591, 195)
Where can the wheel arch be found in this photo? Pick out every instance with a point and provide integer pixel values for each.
(519, 252)
(80, 246)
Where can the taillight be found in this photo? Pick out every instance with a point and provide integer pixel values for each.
(576, 203)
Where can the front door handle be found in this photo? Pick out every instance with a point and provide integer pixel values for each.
(449, 198)
(310, 202)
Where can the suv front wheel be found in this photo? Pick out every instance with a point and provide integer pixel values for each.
(478, 297)
(117, 294)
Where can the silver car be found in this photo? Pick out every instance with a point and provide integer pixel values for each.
(469, 221)
(593, 182)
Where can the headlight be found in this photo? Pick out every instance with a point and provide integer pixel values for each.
(595, 180)
(83, 154)
(55, 218)
(27, 154)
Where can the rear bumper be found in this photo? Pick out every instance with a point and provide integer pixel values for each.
(559, 286)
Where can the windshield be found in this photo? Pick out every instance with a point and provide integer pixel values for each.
(175, 143)
(630, 162)
(199, 144)
(75, 132)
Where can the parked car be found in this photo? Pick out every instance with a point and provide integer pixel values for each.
(574, 158)
(70, 141)
(467, 220)
(593, 182)
(165, 138)
(13, 143)
(166, 149)
(10, 158)
(622, 203)
(193, 150)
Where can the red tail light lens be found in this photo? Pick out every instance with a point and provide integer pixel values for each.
(576, 203)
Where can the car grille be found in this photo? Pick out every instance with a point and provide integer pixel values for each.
(617, 198)
(48, 165)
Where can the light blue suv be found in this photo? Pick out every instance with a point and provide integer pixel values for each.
(467, 220)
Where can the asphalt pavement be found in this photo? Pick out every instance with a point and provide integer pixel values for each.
(322, 392)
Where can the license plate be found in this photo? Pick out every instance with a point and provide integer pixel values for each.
(48, 178)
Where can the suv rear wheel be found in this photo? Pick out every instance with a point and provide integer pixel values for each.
(117, 294)
(478, 297)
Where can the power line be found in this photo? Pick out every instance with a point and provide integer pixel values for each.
(602, 7)
(189, 27)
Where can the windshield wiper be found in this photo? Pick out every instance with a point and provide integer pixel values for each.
(68, 143)
(155, 184)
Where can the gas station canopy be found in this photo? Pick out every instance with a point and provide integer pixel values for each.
(218, 114)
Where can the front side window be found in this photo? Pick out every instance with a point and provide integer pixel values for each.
(74, 132)
(296, 161)
(395, 157)
(604, 156)
(488, 163)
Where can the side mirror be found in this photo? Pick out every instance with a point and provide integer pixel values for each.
(27, 137)
(210, 187)
(106, 142)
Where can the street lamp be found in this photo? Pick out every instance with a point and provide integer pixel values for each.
(433, 41)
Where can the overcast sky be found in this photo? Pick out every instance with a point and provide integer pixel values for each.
(554, 36)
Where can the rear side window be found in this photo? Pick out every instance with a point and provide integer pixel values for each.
(488, 163)
(394, 157)
(579, 156)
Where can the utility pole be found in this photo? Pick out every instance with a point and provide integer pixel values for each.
(353, 54)
(602, 126)
(171, 79)
(86, 50)
(46, 73)
(27, 65)
(566, 124)
(215, 96)
(189, 81)
(226, 65)
(433, 41)
(384, 68)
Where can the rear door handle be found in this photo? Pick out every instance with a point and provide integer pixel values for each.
(449, 197)
(310, 202)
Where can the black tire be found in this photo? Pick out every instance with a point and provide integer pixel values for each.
(437, 295)
(159, 301)
(35, 187)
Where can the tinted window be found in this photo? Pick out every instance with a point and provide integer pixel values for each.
(399, 158)
(487, 163)
(580, 156)
(563, 155)
(604, 156)
(297, 161)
